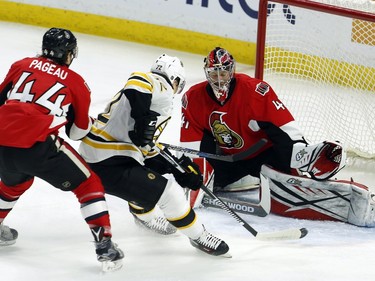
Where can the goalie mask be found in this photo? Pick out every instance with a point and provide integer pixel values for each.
(172, 69)
(219, 69)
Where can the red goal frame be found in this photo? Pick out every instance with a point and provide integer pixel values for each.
(307, 4)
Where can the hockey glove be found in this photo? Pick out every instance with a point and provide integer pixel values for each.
(144, 130)
(321, 161)
(192, 178)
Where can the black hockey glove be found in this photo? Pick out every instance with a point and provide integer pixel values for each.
(192, 178)
(144, 130)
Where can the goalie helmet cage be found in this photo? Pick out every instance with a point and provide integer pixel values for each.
(319, 57)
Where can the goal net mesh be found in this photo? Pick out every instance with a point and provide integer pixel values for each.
(320, 60)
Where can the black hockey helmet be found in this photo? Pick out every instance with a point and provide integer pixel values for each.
(58, 42)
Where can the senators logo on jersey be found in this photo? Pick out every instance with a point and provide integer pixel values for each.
(223, 134)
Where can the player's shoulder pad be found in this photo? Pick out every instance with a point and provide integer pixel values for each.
(262, 88)
(140, 81)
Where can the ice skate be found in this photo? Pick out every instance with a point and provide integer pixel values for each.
(158, 225)
(244, 184)
(107, 252)
(211, 245)
(109, 255)
(8, 236)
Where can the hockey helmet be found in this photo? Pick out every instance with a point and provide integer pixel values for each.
(219, 67)
(171, 68)
(58, 42)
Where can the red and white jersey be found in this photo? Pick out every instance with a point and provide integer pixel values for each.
(37, 98)
(253, 111)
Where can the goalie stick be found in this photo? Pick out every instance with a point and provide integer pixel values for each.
(228, 158)
(293, 233)
(237, 201)
(241, 204)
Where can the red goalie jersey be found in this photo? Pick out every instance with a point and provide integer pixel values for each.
(251, 112)
(37, 98)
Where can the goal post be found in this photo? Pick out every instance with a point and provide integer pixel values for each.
(319, 57)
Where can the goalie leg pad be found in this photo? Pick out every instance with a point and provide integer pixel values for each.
(305, 198)
(362, 207)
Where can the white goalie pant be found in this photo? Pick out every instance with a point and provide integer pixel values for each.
(305, 198)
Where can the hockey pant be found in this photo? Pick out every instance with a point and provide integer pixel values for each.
(304, 198)
(59, 164)
(148, 192)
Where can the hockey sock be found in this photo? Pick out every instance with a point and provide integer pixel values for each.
(9, 196)
(94, 207)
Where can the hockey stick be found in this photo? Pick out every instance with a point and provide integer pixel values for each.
(235, 202)
(228, 158)
(284, 234)
(293, 233)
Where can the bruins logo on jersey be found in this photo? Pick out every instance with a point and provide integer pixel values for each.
(223, 134)
(151, 176)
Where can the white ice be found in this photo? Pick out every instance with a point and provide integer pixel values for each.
(55, 244)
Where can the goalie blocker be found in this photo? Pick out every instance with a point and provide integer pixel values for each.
(304, 198)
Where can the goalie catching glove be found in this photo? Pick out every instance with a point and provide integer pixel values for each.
(192, 178)
(321, 161)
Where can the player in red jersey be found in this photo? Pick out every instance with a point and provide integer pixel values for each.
(38, 96)
(230, 112)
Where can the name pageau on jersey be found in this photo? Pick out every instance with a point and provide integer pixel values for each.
(37, 91)
(109, 135)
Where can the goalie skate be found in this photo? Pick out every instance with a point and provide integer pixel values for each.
(211, 245)
(246, 183)
(158, 225)
(8, 236)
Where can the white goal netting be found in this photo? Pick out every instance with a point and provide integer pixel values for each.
(321, 62)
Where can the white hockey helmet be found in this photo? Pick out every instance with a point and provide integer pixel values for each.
(172, 68)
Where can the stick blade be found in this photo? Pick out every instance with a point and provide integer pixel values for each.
(288, 234)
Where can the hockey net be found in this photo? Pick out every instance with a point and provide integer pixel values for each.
(319, 57)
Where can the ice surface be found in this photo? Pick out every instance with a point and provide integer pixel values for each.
(55, 244)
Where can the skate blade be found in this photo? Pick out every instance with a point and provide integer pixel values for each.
(7, 243)
(240, 188)
(109, 266)
(226, 255)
